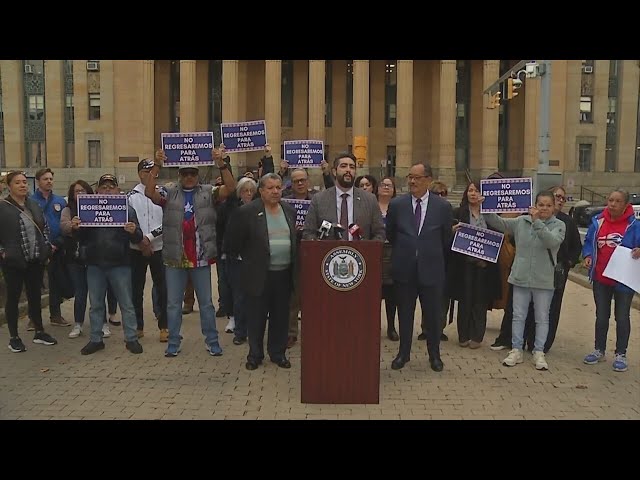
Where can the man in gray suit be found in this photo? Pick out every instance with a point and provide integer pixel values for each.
(345, 205)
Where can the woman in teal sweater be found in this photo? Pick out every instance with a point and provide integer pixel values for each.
(538, 237)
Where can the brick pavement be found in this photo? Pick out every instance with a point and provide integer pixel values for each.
(59, 383)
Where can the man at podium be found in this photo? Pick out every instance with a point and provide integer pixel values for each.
(344, 212)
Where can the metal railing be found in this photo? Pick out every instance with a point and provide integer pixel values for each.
(591, 196)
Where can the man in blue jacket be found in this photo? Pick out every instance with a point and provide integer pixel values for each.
(52, 205)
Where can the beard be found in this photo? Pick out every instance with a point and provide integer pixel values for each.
(345, 183)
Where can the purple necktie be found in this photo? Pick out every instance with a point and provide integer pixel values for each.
(418, 214)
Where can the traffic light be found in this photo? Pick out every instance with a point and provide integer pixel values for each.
(513, 84)
(494, 100)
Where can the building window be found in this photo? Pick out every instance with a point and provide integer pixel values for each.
(463, 100)
(174, 95)
(95, 154)
(36, 107)
(287, 94)
(390, 93)
(68, 104)
(586, 107)
(328, 93)
(349, 118)
(36, 154)
(215, 99)
(611, 143)
(70, 154)
(584, 157)
(390, 168)
(94, 106)
(35, 67)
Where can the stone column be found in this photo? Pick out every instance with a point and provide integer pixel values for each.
(187, 95)
(361, 114)
(149, 142)
(404, 119)
(13, 108)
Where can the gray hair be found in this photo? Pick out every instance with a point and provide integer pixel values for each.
(625, 194)
(294, 170)
(246, 182)
(268, 176)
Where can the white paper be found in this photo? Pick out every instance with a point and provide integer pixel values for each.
(624, 269)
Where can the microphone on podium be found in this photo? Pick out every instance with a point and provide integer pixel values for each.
(354, 230)
(323, 231)
(338, 231)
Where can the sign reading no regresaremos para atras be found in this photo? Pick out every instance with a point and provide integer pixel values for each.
(302, 208)
(343, 268)
(504, 195)
(477, 242)
(303, 153)
(244, 136)
(102, 210)
(188, 149)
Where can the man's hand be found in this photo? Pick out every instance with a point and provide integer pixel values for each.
(145, 247)
(635, 253)
(587, 262)
(159, 158)
(75, 223)
(218, 156)
(267, 149)
(325, 167)
(455, 228)
(130, 227)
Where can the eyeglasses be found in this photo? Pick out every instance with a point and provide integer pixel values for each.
(302, 180)
(560, 197)
(386, 185)
(416, 177)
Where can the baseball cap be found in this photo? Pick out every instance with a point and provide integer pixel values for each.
(145, 164)
(108, 177)
(188, 167)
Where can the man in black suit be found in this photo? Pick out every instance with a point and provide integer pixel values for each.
(419, 228)
(263, 233)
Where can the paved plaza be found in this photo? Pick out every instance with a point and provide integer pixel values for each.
(58, 383)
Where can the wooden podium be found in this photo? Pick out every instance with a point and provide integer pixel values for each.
(340, 304)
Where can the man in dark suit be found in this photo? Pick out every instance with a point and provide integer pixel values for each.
(419, 228)
(263, 233)
(345, 205)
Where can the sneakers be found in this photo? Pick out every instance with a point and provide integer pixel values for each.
(164, 335)
(140, 333)
(594, 357)
(231, 325)
(514, 357)
(44, 338)
(214, 350)
(134, 347)
(76, 331)
(16, 345)
(106, 332)
(172, 351)
(498, 345)
(92, 347)
(59, 321)
(540, 361)
(473, 344)
(620, 363)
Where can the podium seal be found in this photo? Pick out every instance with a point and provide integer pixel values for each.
(343, 268)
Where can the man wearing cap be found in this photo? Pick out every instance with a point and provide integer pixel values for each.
(148, 252)
(189, 243)
(106, 254)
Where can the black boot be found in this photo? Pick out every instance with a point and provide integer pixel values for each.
(391, 333)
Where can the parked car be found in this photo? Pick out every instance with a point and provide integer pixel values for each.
(583, 211)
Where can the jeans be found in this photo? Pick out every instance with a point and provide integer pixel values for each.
(541, 300)
(119, 279)
(224, 286)
(239, 302)
(79, 277)
(176, 283)
(603, 294)
(14, 278)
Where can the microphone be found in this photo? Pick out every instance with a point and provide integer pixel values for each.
(354, 230)
(323, 231)
(338, 231)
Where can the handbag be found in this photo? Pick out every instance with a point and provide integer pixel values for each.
(558, 272)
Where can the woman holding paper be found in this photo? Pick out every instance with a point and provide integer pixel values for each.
(615, 226)
(538, 237)
(473, 282)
